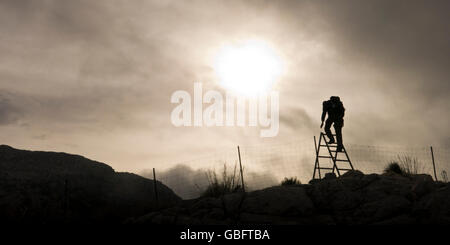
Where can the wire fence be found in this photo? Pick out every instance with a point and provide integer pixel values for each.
(267, 165)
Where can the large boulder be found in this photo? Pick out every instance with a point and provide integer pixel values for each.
(352, 198)
(279, 200)
(333, 195)
(355, 198)
(422, 185)
(383, 209)
(353, 174)
(434, 207)
(232, 203)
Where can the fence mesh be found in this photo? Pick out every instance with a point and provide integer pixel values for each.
(267, 165)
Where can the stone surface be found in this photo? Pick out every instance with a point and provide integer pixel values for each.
(34, 185)
(329, 176)
(280, 200)
(353, 174)
(423, 184)
(353, 198)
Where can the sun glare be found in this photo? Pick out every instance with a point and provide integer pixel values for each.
(248, 69)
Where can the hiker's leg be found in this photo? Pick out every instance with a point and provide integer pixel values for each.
(338, 128)
(328, 123)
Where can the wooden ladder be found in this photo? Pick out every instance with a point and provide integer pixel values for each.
(332, 154)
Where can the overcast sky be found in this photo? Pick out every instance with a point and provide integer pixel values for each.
(95, 77)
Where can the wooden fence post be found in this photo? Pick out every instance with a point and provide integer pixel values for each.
(154, 185)
(240, 165)
(434, 165)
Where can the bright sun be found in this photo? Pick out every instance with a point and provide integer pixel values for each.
(248, 69)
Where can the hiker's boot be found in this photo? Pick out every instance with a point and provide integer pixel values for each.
(339, 148)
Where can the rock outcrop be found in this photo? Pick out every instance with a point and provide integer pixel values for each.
(50, 187)
(353, 198)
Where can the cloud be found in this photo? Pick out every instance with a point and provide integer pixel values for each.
(9, 114)
(99, 74)
(189, 182)
(297, 118)
(182, 179)
(400, 36)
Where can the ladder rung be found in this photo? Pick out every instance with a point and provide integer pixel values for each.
(333, 155)
(340, 160)
(324, 157)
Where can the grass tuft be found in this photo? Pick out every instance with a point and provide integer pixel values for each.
(290, 181)
(405, 166)
(229, 183)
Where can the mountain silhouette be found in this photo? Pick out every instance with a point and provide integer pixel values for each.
(52, 187)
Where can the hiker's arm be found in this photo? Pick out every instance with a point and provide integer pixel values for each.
(324, 111)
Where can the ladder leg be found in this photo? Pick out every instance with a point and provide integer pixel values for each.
(317, 158)
(348, 158)
(331, 154)
(317, 164)
(315, 167)
(335, 166)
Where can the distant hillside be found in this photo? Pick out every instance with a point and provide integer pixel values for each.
(49, 187)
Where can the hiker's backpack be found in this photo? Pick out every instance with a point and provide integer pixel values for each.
(335, 108)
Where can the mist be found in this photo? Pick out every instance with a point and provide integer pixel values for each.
(95, 78)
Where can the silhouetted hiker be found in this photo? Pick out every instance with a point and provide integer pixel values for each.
(335, 110)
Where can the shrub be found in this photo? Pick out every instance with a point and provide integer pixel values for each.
(218, 187)
(290, 181)
(405, 166)
(394, 167)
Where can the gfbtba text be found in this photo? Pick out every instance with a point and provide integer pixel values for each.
(228, 234)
